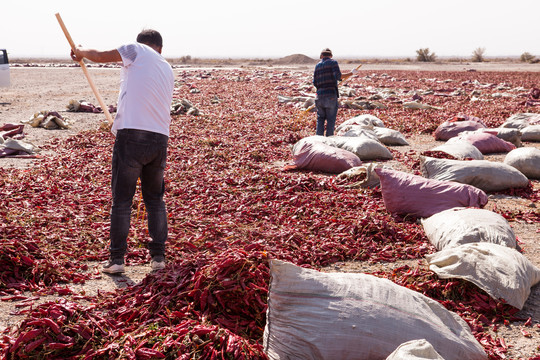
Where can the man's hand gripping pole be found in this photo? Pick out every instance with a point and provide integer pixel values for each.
(85, 70)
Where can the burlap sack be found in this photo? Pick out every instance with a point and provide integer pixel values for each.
(314, 315)
(458, 226)
(502, 272)
(483, 174)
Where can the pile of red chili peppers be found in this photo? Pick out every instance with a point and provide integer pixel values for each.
(231, 208)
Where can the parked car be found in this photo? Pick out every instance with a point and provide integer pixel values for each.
(4, 68)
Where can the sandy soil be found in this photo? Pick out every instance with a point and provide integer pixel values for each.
(35, 89)
(50, 88)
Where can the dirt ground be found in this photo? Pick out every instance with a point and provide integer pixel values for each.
(36, 89)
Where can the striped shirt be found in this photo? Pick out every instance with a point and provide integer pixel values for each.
(326, 77)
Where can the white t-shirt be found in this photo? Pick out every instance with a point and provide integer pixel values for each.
(147, 83)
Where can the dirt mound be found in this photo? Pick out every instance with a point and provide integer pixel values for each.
(295, 59)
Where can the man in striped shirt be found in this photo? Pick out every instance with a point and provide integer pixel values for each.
(325, 78)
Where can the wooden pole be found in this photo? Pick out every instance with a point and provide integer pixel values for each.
(85, 70)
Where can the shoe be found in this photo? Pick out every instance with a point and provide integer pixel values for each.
(158, 262)
(114, 267)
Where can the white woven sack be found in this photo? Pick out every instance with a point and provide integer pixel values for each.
(526, 160)
(343, 128)
(367, 120)
(458, 226)
(483, 174)
(460, 149)
(415, 350)
(531, 133)
(364, 148)
(14, 144)
(314, 315)
(390, 136)
(521, 120)
(502, 272)
(357, 131)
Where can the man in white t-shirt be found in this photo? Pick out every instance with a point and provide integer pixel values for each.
(141, 127)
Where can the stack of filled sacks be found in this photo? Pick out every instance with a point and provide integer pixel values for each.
(470, 129)
(474, 244)
(479, 246)
(527, 123)
(335, 154)
(383, 319)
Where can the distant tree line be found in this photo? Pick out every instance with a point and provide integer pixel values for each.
(425, 55)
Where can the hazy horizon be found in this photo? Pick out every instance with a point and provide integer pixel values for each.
(242, 29)
(348, 58)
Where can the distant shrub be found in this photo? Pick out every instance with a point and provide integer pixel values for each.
(185, 59)
(478, 55)
(424, 55)
(527, 57)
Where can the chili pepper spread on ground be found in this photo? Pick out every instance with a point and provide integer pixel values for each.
(231, 209)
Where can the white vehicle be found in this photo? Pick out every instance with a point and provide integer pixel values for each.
(4, 68)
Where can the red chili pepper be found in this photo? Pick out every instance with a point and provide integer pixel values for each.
(15, 297)
(26, 337)
(46, 323)
(146, 353)
(57, 346)
(34, 344)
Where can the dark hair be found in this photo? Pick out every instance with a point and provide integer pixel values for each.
(150, 37)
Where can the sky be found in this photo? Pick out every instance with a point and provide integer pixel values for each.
(276, 28)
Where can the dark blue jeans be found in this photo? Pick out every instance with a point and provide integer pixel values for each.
(138, 154)
(327, 108)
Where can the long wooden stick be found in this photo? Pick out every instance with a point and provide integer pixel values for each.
(85, 70)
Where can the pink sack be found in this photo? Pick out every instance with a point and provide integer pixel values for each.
(405, 193)
(450, 129)
(489, 143)
(465, 117)
(317, 156)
